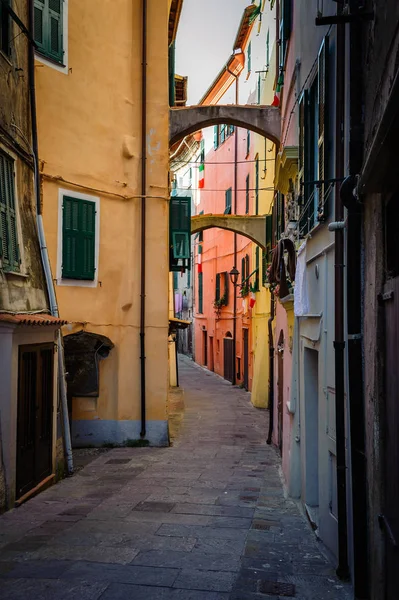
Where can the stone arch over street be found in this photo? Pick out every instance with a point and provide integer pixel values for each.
(264, 120)
(251, 227)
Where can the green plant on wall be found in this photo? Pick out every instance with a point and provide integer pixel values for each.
(221, 302)
(244, 290)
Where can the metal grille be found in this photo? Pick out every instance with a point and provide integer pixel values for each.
(276, 588)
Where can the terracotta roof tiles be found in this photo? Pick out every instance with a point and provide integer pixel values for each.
(33, 320)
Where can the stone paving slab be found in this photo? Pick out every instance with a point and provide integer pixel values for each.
(205, 519)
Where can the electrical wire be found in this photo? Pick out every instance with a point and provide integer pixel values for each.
(230, 162)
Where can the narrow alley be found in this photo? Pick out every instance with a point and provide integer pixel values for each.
(205, 519)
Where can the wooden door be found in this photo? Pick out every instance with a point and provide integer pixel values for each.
(205, 338)
(228, 358)
(389, 520)
(35, 416)
(246, 358)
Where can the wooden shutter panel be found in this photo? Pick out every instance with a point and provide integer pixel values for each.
(247, 195)
(200, 293)
(257, 266)
(217, 291)
(38, 24)
(78, 238)
(55, 29)
(257, 186)
(228, 196)
(242, 270)
(287, 19)
(323, 123)
(304, 141)
(9, 248)
(180, 226)
(216, 136)
(226, 286)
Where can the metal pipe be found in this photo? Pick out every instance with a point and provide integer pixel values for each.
(44, 251)
(339, 342)
(143, 217)
(271, 370)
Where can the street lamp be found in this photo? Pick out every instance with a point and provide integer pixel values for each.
(234, 273)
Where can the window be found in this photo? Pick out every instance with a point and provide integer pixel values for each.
(201, 233)
(222, 287)
(78, 238)
(248, 142)
(266, 254)
(285, 28)
(179, 232)
(249, 58)
(9, 249)
(200, 294)
(221, 133)
(247, 195)
(257, 185)
(244, 269)
(48, 28)
(228, 197)
(258, 89)
(313, 148)
(267, 49)
(5, 29)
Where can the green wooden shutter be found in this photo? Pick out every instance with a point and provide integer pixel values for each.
(322, 133)
(257, 266)
(217, 291)
(242, 270)
(249, 57)
(287, 19)
(226, 286)
(257, 186)
(248, 142)
(268, 49)
(258, 89)
(9, 248)
(247, 195)
(48, 28)
(303, 175)
(180, 226)
(78, 238)
(228, 197)
(200, 294)
(216, 136)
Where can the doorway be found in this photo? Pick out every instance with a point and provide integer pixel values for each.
(205, 347)
(211, 356)
(246, 358)
(34, 416)
(311, 380)
(280, 388)
(228, 357)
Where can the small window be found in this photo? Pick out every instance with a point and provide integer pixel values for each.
(78, 238)
(5, 29)
(248, 142)
(228, 196)
(48, 27)
(9, 248)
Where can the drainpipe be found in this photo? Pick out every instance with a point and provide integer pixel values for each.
(143, 217)
(271, 371)
(339, 342)
(44, 251)
(354, 302)
(235, 236)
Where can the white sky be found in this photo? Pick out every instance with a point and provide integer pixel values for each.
(205, 38)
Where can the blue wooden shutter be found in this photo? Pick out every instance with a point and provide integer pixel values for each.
(78, 238)
(323, 130)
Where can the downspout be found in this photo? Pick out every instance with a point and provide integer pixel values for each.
(235, 235)
(44, 251)
(143, 217)
(271, 371)
(339, 342)
(355, 312)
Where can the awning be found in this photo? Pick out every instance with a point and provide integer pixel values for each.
(175, 324)
(32, 320)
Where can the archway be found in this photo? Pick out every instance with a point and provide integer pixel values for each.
(252, 227)
(264, 120)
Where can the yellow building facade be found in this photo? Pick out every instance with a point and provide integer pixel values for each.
(100, 116)
(264, 172)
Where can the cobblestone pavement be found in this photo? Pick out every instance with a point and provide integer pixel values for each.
(205, 519)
